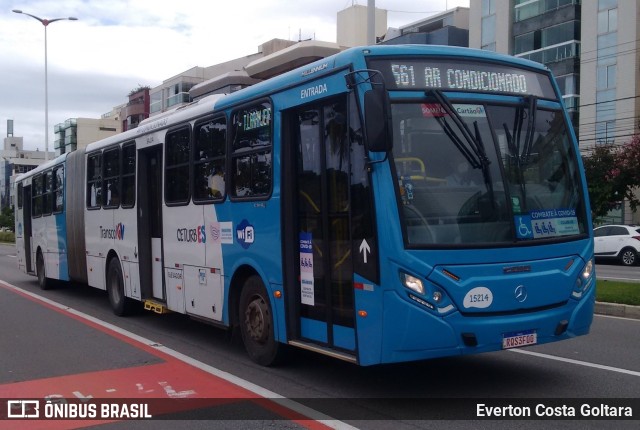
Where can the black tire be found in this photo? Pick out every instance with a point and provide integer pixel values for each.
(628, 257)
(256, 324)
(44, 282)
(120, 304)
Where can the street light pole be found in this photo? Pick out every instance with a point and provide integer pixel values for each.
(45, 23)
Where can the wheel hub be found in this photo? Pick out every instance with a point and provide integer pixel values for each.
(256, 317)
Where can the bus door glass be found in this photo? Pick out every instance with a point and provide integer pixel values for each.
(26, 217)
(150, 222)
(325, 264)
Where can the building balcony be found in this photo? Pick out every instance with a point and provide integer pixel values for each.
(554, 54)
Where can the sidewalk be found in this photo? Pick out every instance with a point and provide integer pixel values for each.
(616, 310)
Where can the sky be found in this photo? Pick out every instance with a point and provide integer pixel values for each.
(116, 46)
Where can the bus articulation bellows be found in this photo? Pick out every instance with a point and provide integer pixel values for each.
(385, 204)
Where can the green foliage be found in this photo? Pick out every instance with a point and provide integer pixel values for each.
(612, 175)
(7, 218)
(7, 236)
(139, 88)
(627, 293)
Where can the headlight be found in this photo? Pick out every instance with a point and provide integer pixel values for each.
(412, 283)
(584, 280)
(588, 270)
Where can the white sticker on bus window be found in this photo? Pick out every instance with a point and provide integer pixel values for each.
(479, 297)
(307, 293)
(547, 223)
(470, 111)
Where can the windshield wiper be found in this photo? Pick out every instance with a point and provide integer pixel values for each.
(478, 152)
(474, 150)
(521, 156)
(522, 152)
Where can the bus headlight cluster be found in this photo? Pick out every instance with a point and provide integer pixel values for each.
(412, 283)
(584, 280)
(430, 297)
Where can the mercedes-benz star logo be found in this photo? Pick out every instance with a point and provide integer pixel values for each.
(521, 293)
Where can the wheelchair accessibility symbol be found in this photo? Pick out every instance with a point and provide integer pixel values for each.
(523, 227)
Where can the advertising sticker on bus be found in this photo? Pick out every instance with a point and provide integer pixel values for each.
(307, 296)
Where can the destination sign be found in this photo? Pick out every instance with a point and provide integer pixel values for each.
(428, 73)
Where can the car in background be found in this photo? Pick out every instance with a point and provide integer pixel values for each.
(620, 242)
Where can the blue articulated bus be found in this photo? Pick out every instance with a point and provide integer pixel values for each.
(385, 204)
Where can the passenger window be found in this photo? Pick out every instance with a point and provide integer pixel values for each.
(94, 180)
(111, 178)
(46, 193)
(251, 160)
(58, 189)
(178, 149)
(36, 208)
(128, 175)
(209, 161)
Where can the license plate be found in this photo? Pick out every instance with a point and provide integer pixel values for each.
(521, 338)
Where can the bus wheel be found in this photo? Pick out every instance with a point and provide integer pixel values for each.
(120, 304)
(44, 282)
(256, 324)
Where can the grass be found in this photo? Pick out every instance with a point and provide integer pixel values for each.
(627, 293)
(7, 236)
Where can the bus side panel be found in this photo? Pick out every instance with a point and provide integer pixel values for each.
(98, 223)
(184, 249)
(125, 244)
(57, 247)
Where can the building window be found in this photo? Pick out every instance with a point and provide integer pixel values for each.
(155, 102)
(607, 21)
(488, 25)
(209, 160)
(178, 150)
(606, 77)
(605, 132)
(251, 145)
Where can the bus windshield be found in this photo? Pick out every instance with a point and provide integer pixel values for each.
(473, 174)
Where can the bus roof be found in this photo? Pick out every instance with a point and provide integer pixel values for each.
(351, 55)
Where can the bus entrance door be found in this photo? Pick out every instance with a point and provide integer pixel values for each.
(321, 283)
(27, 235)
(150, 222)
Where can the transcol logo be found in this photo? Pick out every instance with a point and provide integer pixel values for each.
(113, 233)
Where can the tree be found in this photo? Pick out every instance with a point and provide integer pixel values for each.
(7, 218)
(612, 175)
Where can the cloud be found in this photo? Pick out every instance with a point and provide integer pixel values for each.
(117, 45)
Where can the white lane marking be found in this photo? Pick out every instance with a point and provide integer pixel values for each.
(577, 362)
(617, 318)
(250, 386)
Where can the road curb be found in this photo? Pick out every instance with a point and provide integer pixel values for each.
(617, 310)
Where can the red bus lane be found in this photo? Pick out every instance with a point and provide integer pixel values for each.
(164, 385)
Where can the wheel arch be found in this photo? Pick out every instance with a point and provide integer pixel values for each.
(239, 277)
(110, 256)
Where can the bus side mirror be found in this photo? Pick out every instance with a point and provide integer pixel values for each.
(377, 120)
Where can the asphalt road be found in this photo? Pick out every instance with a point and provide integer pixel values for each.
(601, 368)
(614, 271)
